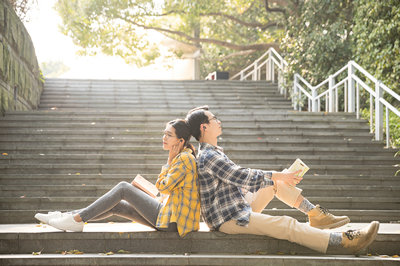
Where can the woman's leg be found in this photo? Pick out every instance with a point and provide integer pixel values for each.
(144, 205)
(122, 209)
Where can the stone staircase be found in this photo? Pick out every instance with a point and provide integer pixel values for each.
(90, 134)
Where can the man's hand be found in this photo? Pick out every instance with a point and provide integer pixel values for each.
(290, 178)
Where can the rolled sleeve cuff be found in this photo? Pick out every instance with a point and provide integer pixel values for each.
(267, 179)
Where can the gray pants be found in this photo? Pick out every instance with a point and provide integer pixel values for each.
(125, 200)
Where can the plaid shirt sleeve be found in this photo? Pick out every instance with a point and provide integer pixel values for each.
(221, 187)
(170, 176)
(227, 171)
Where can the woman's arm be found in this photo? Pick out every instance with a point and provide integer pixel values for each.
(176, 172)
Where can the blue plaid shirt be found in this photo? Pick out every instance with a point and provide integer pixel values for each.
(221, 187)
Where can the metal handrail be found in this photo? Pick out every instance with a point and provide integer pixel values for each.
(351, 83)
(269, 60)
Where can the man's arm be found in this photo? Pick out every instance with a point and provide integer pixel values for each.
(228, 172)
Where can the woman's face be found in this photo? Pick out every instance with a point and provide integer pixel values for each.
(169, 138)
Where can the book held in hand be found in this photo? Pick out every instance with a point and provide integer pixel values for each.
(299, 165)
(143, 184)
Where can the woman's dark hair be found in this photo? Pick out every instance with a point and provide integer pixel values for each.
(195, 118)
(182, 131)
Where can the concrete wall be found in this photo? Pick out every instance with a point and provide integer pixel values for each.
(21, 83)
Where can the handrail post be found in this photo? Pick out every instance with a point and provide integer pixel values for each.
(255, 71)
(331, 104)
(314, 103)
(350, 88)
(272, 70)
(378, 112)
(241, 75)
(295, 101)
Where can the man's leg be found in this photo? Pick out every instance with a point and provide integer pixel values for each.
(281, 227)
(318, 216)
(259, 200)
(287, 228)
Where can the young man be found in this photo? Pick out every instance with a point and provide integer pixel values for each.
(227, 205)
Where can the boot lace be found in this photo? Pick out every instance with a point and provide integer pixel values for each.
(351, 234)
(324, 210)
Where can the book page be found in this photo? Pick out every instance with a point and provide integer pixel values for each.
(143, 184)
(299, 165)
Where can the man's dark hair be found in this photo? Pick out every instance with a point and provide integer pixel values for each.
(195, 118)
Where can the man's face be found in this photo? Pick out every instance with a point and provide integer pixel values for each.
(214, 126)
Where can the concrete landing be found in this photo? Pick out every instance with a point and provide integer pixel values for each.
(385, 228)
(136, 238)
(193, 259)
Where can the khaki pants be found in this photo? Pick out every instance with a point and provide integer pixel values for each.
(280, 227)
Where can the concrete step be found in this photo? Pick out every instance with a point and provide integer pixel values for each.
(73, 203)
(161, 158)
(194, 259)
(355, 215)
(155, 168)
(228, 120)
(97, 237)
(110, 179)
(41, 190)
(11, 148)
(231, 142)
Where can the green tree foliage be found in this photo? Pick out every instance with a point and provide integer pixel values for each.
(53, 69)
(377, 40)
(317, 41)
(221, 29)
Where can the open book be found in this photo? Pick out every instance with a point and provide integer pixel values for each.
(299, 165)
(143, 184)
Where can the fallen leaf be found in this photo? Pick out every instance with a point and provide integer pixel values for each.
(38, 225)
(110, 253)
(395, 256)
(4, 153)
(75, 251)
(280, 253)
(121, 251)
(37, 253)
(22, 197)
(83, 184)
(78, 174)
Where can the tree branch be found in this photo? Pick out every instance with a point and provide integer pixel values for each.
(281, 10)
(237, 47)
(244, 23)
(219, 14)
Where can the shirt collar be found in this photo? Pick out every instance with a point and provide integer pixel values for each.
(204, 146)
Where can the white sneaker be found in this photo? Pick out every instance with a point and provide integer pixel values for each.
(45, 218)
(67, 222)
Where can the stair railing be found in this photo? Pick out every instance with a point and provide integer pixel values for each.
(345, 79)
(350, 82)
(265, 66)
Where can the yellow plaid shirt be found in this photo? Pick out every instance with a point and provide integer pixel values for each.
(179, 181)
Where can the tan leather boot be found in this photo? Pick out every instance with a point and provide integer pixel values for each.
(319, 217)
(356, 240)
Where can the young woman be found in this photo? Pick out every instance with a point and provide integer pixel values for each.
(178, 180)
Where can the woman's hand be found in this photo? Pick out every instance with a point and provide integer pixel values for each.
(176, 149)
(290, 178)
